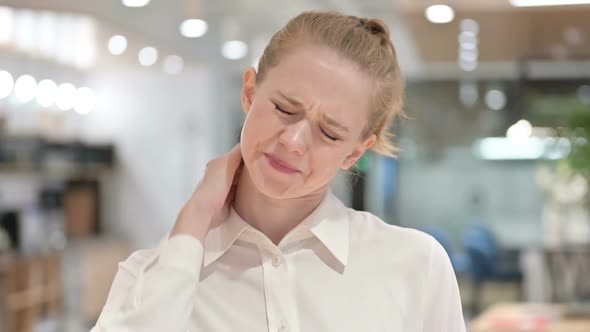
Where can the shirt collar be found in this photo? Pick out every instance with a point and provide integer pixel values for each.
(327, 223)
(220, 238)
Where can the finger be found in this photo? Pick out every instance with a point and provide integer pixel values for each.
(232, 194)
(233, 162)
(229, 196)
(234, 158)
(237, 174)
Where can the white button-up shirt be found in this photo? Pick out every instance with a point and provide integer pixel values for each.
(338, 270)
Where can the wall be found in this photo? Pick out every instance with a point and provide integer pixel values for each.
(438, 193)
(161, 128)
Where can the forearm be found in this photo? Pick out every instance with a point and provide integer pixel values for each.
(161, 297)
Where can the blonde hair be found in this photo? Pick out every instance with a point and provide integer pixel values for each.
(365, 42)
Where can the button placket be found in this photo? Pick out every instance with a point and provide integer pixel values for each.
(276, 260)
(278, 302)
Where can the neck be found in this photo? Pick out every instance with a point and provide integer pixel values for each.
(274, 217)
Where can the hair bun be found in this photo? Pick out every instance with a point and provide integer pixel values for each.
(376, 27)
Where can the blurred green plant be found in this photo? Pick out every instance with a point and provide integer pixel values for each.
(363, 164)
(578, 131)
(570, 117)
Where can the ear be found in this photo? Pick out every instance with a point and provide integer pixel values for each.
(248, 87)
(358, 151)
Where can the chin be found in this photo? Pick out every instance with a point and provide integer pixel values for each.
(272, 184)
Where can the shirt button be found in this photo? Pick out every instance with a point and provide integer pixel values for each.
(283, 328)
(276, 261)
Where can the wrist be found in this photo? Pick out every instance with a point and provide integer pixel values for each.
(197, 233)
(193, 220)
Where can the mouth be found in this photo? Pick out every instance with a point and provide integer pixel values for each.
(280, 165)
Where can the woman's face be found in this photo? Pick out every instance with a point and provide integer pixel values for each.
(304, 121)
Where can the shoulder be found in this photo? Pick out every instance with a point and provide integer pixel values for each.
(366, 226)
(383, 239)
(138, 260)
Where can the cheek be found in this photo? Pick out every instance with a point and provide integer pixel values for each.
(258, 128)
(260, 123)
(326, 163)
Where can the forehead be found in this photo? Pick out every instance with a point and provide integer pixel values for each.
(324, 81)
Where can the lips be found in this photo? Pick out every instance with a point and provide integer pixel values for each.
(280, 164)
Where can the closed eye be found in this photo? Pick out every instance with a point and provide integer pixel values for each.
(278, 108)
(330, 137)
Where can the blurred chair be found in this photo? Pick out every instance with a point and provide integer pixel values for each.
(459, 260)
(488, 262)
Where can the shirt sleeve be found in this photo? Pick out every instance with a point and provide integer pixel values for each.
(442, 309)
(154, 290)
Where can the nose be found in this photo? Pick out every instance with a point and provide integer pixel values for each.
(296, 136)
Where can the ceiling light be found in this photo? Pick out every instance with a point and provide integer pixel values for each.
(502, 148)
(135, 3)
(173, 64)
(193, 28)
(468, 46)
(470, 25)
(467, 65)
(117, 44)
(520, 130)
(467, 37)
(440, 14)
(66, 94)
(46, 93)
(468, 55)
(25, 88)
(234, 50)
(495, 99)
(148, 56)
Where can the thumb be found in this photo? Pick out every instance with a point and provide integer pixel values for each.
(234, 159)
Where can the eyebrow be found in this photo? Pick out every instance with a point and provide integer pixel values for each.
(334, 123)
(292, 100)
(299, 104)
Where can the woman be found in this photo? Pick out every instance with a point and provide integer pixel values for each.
(262, 244)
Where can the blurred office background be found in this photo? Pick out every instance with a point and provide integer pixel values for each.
(109, 111)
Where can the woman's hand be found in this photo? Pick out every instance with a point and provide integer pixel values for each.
(212, 199)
